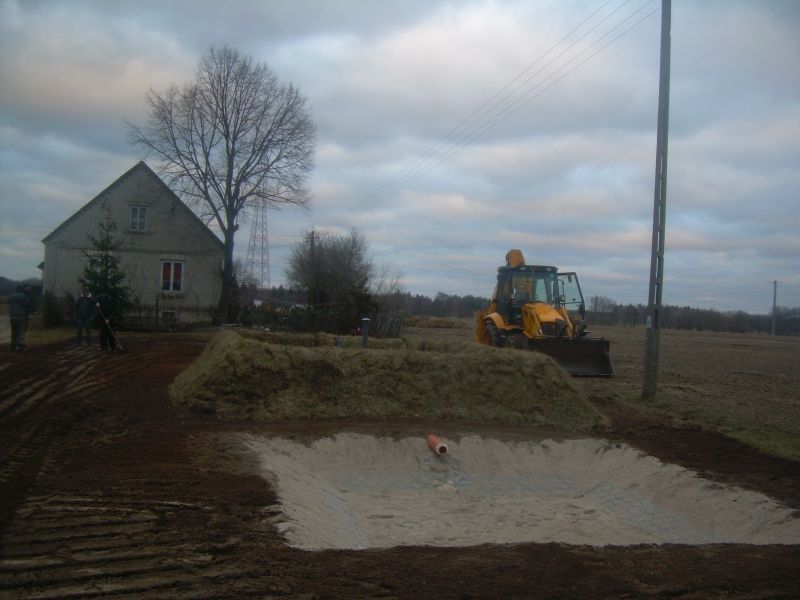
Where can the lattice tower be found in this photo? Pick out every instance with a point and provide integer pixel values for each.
(257, 264)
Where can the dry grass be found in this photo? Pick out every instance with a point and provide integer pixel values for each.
(435, 323)
(743, 385)
(282, 376)
(37, 335)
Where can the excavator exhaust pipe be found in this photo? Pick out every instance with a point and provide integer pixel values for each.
(580, 357)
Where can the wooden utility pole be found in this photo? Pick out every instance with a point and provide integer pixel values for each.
(659, 213)
(312, 296)
(774, 303)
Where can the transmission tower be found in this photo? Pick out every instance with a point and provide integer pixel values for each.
(257, 265)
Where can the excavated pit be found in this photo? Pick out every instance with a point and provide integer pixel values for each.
(354, 491)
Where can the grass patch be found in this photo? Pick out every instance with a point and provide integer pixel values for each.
(435, 323)
(276, 377)
(769, 440)
(39, 336)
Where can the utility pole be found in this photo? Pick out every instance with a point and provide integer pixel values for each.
(653, 339)
(312, 299)
(774, 303)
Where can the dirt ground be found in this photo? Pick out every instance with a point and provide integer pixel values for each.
(106, 490)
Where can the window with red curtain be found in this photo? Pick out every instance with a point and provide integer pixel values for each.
(171, 276)
(166, 276)
(177, 276)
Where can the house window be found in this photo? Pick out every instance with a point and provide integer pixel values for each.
(171, 276)
(138, 218)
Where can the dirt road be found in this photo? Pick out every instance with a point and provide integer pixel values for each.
(106, 490)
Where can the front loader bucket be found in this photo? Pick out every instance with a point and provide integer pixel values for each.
(580, 357)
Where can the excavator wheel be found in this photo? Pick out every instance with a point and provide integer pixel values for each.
(491, 337)
(517, 341)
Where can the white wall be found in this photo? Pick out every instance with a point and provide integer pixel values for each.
(172, 234)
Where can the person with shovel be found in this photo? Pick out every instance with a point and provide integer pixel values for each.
(106, 320)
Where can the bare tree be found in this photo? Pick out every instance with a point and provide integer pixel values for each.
(327, 265)
(385, 287)
(335, 272)
(229, 140)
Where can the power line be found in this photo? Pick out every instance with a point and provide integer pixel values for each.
(456, 143)
(471, 128)
(501, 106)
(452, 132)
(519, 104)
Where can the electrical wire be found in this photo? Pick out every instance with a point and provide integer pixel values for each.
(453, 133)
(464, 134)
(522, 101)
(499, 107)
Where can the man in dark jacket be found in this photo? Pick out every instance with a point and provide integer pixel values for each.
(106, 320)
(84, 312)
(19, 308)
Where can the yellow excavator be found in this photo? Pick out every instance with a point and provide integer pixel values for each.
(538, 308)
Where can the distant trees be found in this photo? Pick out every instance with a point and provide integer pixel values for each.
(442, 305)
(230, 140)
(603, 312)
(630, 315)
(601, 304)
(9, 286)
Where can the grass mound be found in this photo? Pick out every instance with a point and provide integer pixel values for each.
(313, 340)
(255, 377)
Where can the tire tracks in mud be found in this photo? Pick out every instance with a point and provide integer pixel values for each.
(126, 541)
(95, 546)
(42, 406)
(100, 497)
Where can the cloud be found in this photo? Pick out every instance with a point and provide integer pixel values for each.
(65, 62)
(562, 168)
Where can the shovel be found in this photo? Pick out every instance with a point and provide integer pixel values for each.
(108, 326)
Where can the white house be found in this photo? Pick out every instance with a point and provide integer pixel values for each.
(171, 260)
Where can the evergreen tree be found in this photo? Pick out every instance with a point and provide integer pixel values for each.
(102, 273)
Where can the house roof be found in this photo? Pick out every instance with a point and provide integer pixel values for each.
(140, 166)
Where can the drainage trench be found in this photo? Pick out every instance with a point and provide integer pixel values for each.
(354, 491)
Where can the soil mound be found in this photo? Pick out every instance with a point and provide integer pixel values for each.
(255, 377)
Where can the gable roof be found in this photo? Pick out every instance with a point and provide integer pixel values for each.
(140, 166)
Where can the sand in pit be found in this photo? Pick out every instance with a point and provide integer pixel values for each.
(357, 491)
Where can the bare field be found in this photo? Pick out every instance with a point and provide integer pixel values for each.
(109, 490)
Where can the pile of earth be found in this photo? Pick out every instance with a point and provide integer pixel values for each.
(275, 377)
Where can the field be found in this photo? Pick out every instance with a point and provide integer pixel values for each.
(108, 489)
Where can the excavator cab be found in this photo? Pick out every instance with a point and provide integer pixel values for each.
(571, 297)
(536, 307)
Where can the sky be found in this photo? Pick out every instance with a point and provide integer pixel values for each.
(449, 132)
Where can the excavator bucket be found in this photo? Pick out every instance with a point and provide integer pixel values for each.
(580, 357)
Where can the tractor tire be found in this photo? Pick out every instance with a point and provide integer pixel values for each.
(518, 341)
(491, 337)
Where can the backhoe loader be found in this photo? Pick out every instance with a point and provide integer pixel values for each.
(538, 308)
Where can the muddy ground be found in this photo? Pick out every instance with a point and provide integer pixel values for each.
(106, 490)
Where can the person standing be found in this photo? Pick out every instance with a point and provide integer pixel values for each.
(105, 319)
(84, 311)
(19, 308)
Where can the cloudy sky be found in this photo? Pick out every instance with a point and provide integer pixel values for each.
(450, 131)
